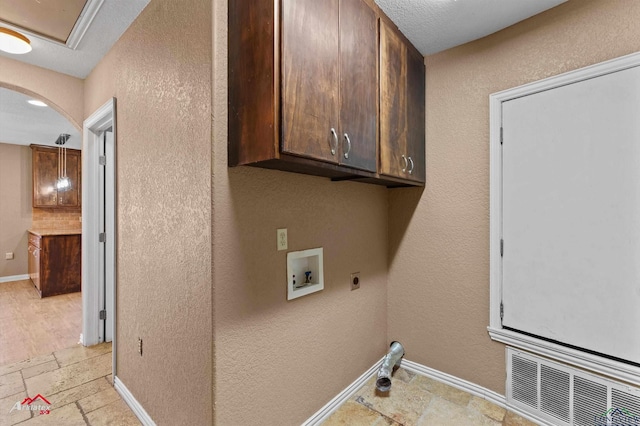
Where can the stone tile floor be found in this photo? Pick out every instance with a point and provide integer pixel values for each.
(77, 383)
(421, 401)
(31, 326)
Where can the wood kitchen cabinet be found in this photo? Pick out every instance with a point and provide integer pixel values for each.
(45, 175)
(55, 262)
(402, 107)
(304, 89)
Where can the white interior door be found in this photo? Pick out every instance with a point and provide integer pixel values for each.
(571, 209)
(98, 227)
(109, 223)
(102, 246)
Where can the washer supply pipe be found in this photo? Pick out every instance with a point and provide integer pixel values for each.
(393, 358)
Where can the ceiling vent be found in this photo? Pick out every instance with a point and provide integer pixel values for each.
(561, 395)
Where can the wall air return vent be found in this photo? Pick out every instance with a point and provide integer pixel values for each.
(524, 380)
(558, 394)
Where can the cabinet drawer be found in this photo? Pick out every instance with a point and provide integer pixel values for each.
(35, 240)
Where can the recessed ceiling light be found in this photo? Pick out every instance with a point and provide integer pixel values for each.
(37, 103)
(14, 42)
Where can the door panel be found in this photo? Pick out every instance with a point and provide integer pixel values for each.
(45, 166)
(416, 116)
(310, 77)
(101, 246)
(34, 265)
(71, 197)
(358, 84)
(109, 224)
(393, 102)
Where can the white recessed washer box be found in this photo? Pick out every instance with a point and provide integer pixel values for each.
(305, 272)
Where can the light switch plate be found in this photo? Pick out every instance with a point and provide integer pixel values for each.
(282, 239)
(8, 256)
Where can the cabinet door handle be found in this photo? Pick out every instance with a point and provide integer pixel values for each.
(406, 164)
(346, 137)
(335, 141)
(411, 169)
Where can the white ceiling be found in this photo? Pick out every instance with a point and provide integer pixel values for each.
(431, 25)
(436, 25)
(23, 124)
(110, 22)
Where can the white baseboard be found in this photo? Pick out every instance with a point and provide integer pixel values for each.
(14, 278)
(133, 403)
(322, 414)
(472, 388)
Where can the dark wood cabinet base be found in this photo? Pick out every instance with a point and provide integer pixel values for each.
(55, 263)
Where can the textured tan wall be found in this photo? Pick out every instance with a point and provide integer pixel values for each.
(160, 73)
(15, 207)
(439, 241)
(60, 91)
(278, 361)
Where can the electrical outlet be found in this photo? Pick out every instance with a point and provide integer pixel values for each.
(140, 346)
(355, 281)
(282, 239)
(8, 256)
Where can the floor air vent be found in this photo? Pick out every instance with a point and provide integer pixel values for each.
(562, 395)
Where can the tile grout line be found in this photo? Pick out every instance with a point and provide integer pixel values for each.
(79, 361)
(77, 386)
(24, 385)
(84, 416)
(428, 407)
(358, 399)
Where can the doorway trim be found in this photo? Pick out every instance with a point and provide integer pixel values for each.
(93, 129)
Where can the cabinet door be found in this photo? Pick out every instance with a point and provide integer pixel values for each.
(416, 116)
(34, 265)
(401, 108)
(71, 197)
(45, 174)
(358, 85)
(309, 78)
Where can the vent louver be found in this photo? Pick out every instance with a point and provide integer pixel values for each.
(624, 400)
(589, 400)
(554, 392)
(558, 394)
(524, 381)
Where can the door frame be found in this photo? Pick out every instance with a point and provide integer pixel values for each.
(93, 128)
(595, 363)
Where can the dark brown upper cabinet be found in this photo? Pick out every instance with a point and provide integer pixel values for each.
(304, 88)
(45, 176)
(329, 81)
(402, 107)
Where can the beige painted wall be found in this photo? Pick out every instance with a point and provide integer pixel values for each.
(60, 91)
(160, 73)
(277, 362)
(439, 241)
(15, 207)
